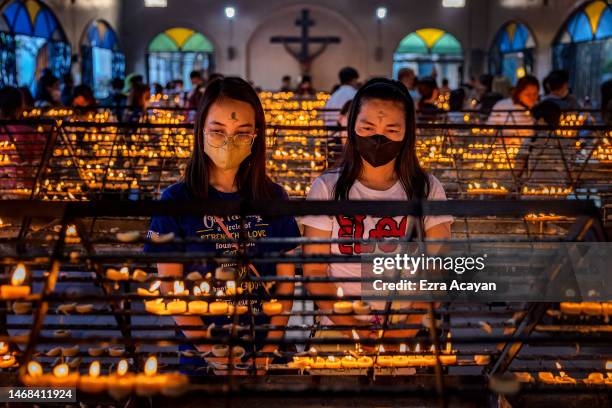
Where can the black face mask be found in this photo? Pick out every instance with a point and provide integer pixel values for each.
(377, 150)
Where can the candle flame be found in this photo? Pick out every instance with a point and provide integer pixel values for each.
(558, 365)
(449, 347)
(19, 274)
(197, 291)
(94, 369)
(417, 348)
(355, 334)
(71, 230)
(150, 367)
(179, 288)
(432, 348)
(381, 349)
(331, 358)
(205, 287)
(340, 293)
(154, 286)
(34, 369)
(122, 367)
(402, 348)
(124, 270)
(61, 370)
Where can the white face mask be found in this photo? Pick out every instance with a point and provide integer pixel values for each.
(229, 156)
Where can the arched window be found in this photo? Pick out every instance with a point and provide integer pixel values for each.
(176, 52)
(32, 39)
(101, 57)
(583, 47)
(511, 54)
(430, 50)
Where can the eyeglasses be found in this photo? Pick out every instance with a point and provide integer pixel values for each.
(216, 138)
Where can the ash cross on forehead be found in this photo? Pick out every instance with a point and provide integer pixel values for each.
(381, 115)
(233, 117)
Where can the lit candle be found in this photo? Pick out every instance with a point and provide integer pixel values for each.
(156, 306)
(349, 362)
(62, 377)
(152, 291)
(448, 357)
(401, 360)
(92, 382)
(176, 306)
(150, 383)
(121, 383)
(34, 376)
(7, 360)
(342, 306)
(218, 307)
(333, 363)
(199, 307)
(16, 290)
(230, 288)
(4, 348)
(179, 289)
(383, 360)
(273, 307)
(118, 275)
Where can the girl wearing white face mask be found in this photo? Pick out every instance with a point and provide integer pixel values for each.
(228, 163)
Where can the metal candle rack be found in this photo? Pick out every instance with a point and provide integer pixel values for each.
(66, 244)
(73, 159)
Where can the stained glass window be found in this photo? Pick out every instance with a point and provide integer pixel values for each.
(176, 52)
(430, 50)
(34, 40)
(101, 56)
(511, 54)
(583, 47)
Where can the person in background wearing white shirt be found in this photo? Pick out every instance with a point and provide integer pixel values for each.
(348, 87)
(379, 163)
(516, 111)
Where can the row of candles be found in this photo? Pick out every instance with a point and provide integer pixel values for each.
(403, 358)
(586, 308)
(217, 307)
(119, 383)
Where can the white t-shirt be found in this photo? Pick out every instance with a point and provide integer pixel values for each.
(512, 114)
(364, 226)
(342, 95)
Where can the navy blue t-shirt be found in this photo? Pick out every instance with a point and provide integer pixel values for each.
(207, 229)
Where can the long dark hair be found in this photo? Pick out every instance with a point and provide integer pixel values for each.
(414, 180)
(251, 180)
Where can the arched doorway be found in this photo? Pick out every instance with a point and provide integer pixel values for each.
(428, 51)
(32, 40)
(583, 47)
(174, 53)
(512, 52)
(101, 57)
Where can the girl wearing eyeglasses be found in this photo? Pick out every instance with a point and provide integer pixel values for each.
(227, 163)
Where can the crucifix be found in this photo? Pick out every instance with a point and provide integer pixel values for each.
(303, 55)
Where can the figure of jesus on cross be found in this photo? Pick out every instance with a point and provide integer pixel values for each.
(304, 55)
